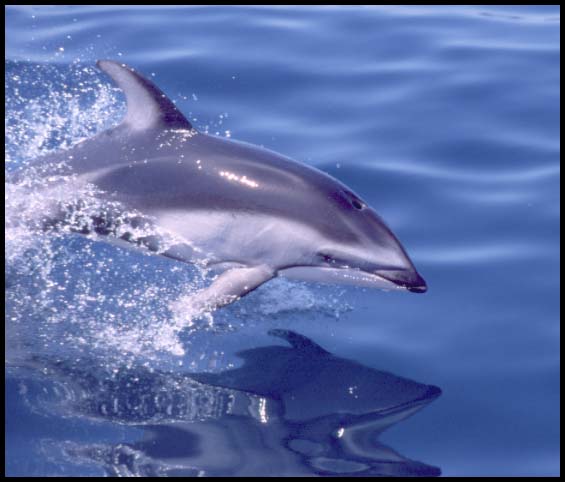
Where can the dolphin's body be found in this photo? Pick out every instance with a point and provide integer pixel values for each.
(251, 213)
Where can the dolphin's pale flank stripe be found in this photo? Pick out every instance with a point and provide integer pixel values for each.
(249, 212)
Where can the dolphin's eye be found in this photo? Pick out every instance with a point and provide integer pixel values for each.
(326, 258)
(354, 201)
(357, 204)
(348, 199)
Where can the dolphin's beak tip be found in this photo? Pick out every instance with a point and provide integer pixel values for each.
(433, 391)
(418, 289)
(419, 286)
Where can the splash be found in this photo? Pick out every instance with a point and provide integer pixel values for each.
(283, 298)
(50, 107)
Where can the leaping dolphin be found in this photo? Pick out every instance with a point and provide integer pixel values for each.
(249, 212)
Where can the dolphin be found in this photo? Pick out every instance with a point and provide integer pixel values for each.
(247, 212)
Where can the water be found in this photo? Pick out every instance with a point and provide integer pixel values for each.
(446, 120)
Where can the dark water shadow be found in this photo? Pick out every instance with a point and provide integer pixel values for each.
(288, 410)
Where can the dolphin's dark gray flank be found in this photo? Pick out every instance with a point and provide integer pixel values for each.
(247, 211)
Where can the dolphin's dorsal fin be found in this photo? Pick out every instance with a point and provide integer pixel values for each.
(300, 342)
(147, 105)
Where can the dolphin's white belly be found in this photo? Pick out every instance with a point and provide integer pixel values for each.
(239, 237)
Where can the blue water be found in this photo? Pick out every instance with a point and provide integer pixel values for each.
(445, 120)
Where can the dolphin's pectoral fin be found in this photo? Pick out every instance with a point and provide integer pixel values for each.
(300, 342)
(229, 287)
(147, 105)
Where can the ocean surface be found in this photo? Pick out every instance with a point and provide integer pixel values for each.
(446, 120)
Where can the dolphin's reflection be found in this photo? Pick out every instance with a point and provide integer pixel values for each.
(289, 410)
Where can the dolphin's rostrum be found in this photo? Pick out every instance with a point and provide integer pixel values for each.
(248, 212)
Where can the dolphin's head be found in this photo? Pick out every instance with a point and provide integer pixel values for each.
(361, 249)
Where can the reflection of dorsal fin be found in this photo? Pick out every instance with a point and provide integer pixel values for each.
(300, 342)
(147, 106)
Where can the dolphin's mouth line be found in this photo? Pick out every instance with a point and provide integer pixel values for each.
(347, 276)
(415, 284)
(398, 284)
(407, 279)
(394, 284)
